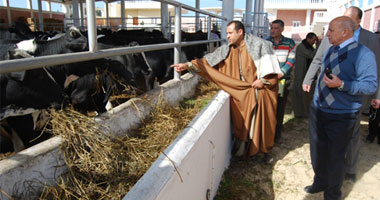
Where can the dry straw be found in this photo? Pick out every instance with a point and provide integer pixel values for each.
(101, 166)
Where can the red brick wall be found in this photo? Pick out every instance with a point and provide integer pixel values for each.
(377, 18)
(367, 19)
(288, 16)
(19, 12)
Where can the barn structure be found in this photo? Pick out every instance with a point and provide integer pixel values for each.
(161, 182)
(208, 138)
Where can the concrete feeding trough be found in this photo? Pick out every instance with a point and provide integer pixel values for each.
(190, 168)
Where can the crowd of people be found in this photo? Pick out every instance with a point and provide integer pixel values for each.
(333, 82)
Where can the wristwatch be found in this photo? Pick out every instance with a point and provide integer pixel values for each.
(340, 88)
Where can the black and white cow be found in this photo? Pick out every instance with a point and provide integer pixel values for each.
(23, 94)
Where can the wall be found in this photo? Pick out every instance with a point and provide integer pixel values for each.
(200, 155)
(367, 19)
(377, 19)
(16, 13)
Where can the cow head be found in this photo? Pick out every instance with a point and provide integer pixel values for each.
(141, 63)
(75, 41)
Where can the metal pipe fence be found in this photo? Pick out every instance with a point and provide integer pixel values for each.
(38, 62)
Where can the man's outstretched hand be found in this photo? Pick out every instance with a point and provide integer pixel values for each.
(179, 67)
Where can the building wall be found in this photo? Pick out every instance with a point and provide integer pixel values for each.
(21, 14)
(367, 19)
(288, 16)
(377, 18)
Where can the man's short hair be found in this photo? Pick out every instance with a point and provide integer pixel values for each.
(311, 35)
(279, 21)
(238, 25)
(360, 12)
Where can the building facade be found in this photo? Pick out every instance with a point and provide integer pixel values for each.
(303, 16)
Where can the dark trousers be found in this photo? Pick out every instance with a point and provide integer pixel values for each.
(281, 103)
(374, 126)
(329, 137)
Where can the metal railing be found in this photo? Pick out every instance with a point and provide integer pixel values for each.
(51, 60)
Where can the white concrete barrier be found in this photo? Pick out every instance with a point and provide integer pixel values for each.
(192, 166)
(200, 153)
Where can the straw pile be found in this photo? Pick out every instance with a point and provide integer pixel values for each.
(101, 166)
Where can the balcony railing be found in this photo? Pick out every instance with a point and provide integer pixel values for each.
(321, 17)
(295, 1)
(295, 4)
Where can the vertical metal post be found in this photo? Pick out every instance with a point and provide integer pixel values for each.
(75, 13)
(197, 26)
(256, 17)
(107, 14)
(30, 6)
(228, 12)
(40, 16)
(122, 11)
(261, 19)
(209, 32)
(248, 16)
(48, 6)
(91, 26)
(164, 19)
(81, 14)
(9, 12)
(170, 28)
(177, 38)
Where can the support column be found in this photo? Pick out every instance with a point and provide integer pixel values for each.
(197, 26)
(177, 38)
(48, 8)
(107, 14)
(75, 13)
(40, 16)
(228, 12)
(91, 26)
(8, 12)
(122, 11)
(164, 19)
(81, 14)
(248, 16)
(261, 11)
(30, 6)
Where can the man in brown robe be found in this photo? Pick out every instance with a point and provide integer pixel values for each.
(247, 69)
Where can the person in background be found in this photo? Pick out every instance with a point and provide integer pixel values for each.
(304, 55)
(284, 50)
(247, 69)
(371, 41)
(346, 76)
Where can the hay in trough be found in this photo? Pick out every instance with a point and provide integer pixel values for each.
(102, 166)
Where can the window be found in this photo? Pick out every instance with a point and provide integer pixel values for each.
(135, 21)
(296, 23)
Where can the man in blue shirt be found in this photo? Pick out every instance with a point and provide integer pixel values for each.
(371, 41)
(347, 74)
